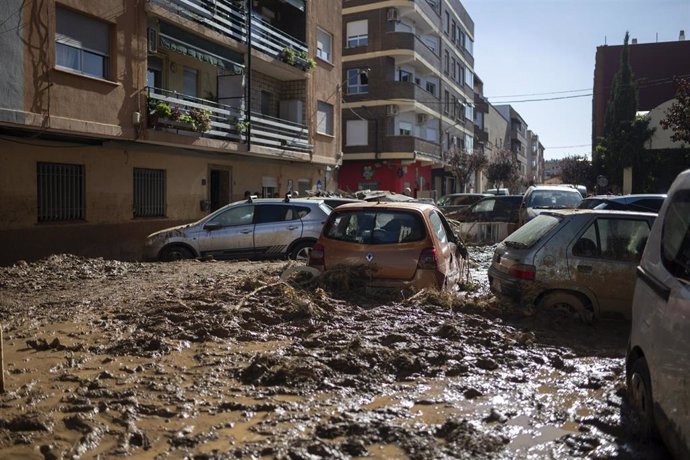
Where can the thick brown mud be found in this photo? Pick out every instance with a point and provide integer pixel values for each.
(224, 360)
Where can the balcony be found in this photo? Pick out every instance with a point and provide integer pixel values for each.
(412, 92)
(222, 16)
(222, 118)
(417, 147)
(228, 18)
(278, 133)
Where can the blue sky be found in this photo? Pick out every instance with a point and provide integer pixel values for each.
(548, 46)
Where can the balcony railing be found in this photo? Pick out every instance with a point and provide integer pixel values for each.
(279, 133)
(228, 19)
(223, 16)
(271, 40)
(223, 117)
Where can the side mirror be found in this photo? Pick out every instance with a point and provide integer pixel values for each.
(212, 226)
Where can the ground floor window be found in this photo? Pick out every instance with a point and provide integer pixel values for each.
(149, 192)
(60, 191)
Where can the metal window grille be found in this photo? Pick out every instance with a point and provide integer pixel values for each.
(149, 192)
(60, 192)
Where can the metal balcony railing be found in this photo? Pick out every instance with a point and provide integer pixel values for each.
(223, 16)
(229, 19)
(223, 117)
(271, 40)
(279, 133)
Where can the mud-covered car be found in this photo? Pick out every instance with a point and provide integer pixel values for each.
(251, 229)
(538, 198)
(402, 245)
(455, 202)
(645, 202)
(583, 260)
(498, 208)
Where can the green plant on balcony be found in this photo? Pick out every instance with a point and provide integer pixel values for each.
(289, 55)
(200, 119)
(163, 109)
(309, 63)
(241, 124)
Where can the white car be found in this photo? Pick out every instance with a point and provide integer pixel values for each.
(658, 356)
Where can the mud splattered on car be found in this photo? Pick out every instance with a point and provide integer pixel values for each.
(224, 360)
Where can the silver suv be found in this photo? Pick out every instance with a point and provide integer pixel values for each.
(251, 229)
(538, 198)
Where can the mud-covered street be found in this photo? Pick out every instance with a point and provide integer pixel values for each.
(224, 360)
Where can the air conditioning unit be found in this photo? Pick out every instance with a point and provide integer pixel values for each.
(422, 118)
(152, 39)
(392, 109)
(393, 14)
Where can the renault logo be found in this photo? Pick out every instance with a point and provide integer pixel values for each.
(370, 257)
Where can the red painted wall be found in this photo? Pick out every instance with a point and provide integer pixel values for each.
(389, 175)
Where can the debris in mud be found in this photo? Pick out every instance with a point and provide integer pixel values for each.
(200, 360)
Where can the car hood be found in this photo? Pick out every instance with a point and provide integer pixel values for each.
(179, 230)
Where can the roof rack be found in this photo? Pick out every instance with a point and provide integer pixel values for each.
(287, 197)
(251, 198)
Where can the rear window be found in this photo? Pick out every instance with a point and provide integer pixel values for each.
(527, 235)
(555, 199)
(375, 227)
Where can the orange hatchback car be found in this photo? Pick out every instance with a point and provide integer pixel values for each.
(405, 245)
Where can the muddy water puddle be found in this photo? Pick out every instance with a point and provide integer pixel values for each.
(222, 360)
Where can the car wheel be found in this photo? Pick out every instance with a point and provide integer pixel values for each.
(301, 251)
(170, 253)
(640, 398)
(570, 303)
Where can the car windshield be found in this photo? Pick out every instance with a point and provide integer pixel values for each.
(554, 199)
(527, 235)
(375, 227)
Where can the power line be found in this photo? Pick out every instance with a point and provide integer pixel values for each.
(544, 99)
(541, 94)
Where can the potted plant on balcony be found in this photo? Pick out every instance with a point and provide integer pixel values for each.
(200, 118)
(297, 59)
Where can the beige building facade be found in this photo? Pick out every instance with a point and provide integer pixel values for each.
(120, 118)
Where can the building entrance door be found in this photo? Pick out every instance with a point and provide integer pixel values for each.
(220, 187)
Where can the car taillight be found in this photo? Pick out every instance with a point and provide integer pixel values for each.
(428, 259)
(522, 271)
(317, 255)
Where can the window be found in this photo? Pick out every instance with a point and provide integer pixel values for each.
(675, 236)
(469, 112)
(240, 215)
(324, 118)
(357, 81)
(453, 69)
(446, 23)
(324, 45)
(437, 225)
(357, 33)
(617, 239)
(431, 87)
(469, 77)
(383, 227)
(446, 100)
(190, 81)
(446, 62)
(356, 132)
(60, 192)
(469, 143)
(154, 72)
(469, 45)
(404, 75)
(453, 106)
(404, 128)
(266, 102)
(460, 73)
(267, 213)
(82, 44)
(149, 192)
(453, 32)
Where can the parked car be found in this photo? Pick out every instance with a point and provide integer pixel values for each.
(658, 356)
(405, 245)
(499, 208)
(538, 198)
(251, 229)
(498, 191)
(636, 202)
(457, 201)
(581, 259)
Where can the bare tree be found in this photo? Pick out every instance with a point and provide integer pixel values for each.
(577, 170)
(465, 164)
(503, 169)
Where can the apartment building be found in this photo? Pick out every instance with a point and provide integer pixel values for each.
(535, 159)
(518, 137)
(408, 78)
(119, 118)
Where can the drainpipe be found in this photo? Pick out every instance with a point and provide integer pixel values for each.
(248, 85)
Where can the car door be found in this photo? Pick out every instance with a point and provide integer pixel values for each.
(277, 226)
(229, 234)
(666, 284)
(604, 257)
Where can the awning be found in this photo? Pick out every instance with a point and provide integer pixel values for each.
(183, 42)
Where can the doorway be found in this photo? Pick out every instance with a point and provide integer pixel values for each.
(220, 188)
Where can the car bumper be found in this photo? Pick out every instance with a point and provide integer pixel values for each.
(519, 291)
